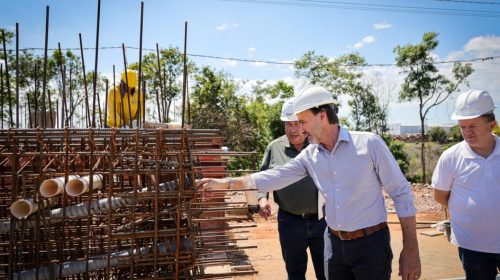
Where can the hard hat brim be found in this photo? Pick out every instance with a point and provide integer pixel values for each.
(292, 118)
(457, 117)
(330, 101)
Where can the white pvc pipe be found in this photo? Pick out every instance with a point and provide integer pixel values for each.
(81, 185)
(54, 186)
(22, 208)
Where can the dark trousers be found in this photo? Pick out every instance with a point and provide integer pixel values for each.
(368, 257)
(479, 265)
(296, 235)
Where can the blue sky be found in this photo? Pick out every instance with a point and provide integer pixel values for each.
(278, 30)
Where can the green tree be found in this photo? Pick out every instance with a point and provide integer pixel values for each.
(438, 134)
(343, 76)
(423, 82)
(267, 115)
(397, 149)
(455, 134)
(216, 105)
(164, 82)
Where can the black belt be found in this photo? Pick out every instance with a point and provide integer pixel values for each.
(303, 215)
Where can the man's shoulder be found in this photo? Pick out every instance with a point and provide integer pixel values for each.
(454, 150)
(280, 141)
(364, 137)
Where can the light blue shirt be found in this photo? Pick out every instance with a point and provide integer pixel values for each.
(350, 177)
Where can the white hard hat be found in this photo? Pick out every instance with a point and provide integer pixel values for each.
(472, 104)
(287, 112)
(310, 97)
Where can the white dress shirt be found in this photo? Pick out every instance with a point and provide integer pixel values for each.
(350, 178)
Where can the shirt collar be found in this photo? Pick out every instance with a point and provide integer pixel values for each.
(287, 144)
(343, 136)
(467, 152)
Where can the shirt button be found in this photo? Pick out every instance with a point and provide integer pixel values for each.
(338, 225)
(338, 207)
(338, 189)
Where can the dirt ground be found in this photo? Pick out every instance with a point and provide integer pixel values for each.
(438, 257)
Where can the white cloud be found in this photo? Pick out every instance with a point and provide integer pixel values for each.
(221, 27)
(231, 63)
(259, 64)
(252, 49)
(225, 26)
(378, 26)
(367, 40)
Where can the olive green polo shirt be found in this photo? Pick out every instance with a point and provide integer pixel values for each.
(298, 198)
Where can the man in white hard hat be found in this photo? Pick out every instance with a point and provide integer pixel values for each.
(349, 169)
(299, 225)
(466, 181)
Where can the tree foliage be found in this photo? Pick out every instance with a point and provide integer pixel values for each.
(397, 149)
(216, 105)
(343, 76)
(164, 81)
(423, 82)
(438, 134)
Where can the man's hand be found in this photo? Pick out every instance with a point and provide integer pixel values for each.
(209, 184)
(409, 259)
(264, 208)
(409, 264)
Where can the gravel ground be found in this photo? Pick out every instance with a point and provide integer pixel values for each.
(424, 199)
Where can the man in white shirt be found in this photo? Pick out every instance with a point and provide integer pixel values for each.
(349, 169)
(466, 180)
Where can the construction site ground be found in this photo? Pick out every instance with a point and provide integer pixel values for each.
(438, 257)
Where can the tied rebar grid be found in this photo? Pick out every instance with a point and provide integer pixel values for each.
(145, 220)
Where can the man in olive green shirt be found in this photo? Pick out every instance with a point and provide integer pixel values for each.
(298, 223)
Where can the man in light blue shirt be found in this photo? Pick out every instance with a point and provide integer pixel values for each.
(349, 169)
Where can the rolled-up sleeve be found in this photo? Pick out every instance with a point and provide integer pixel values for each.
(281, 176)
(392, 179)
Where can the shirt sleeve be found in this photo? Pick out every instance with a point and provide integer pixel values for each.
(266, 161)
(280, 176)
(391, 178)
(442, 177)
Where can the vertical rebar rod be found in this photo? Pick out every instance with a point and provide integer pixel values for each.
(99, 110)
(165, 107)
(50, 109)
(96, 60)
(161, 82)
(87, 113)
(1, 94)
(63, 82)
(159, 145)
(69, 118)
(141, 104)
(144, 101)
(30, 121)
(7, 78)
(184, 77)
(127, 89)
(65, 98)
(45, 65)
(106, 104)
(90, 161)
(114, 96)
(17, 75)
(35, 94)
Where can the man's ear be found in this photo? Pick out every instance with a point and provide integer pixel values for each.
(493, 124)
